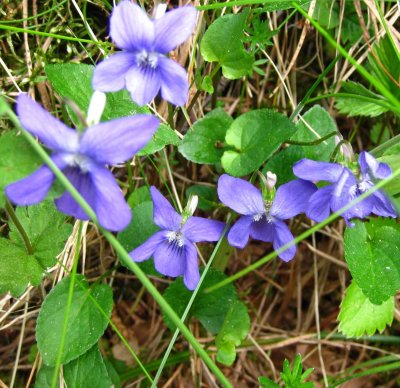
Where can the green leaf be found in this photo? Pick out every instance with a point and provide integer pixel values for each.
(360, 101)
(256, 135)
(385, 64)
(207, 84)
(282, 163)
(326, 12)
(234, 330)
(265, 382)
(44, 377)
(86, 324)
(207, 195)
(316, 124)
(204, 143)
(222, 43)
(142, 194)
(358, 316)
(210, 309)
(112, 373)
(372, 252)
(17, 268)
(46, 229)
(17, 160)
(279, 5)
(138, 231)
(47, 232)
(87, 371)
(165, 135)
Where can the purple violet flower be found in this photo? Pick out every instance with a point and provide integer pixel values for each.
(263, 219)
(143, 67)
(345, 187)
(82, 158)
(173, 247)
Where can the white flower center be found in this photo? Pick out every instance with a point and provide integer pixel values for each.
(146, 59)
(360, 187)
(258, 217)
(176, 237)
(78, 160)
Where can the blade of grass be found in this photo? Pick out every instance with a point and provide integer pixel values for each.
(123, 254)
(360, 68)
(48, 34)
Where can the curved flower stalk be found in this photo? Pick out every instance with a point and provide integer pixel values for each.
(82, 158)
(143, 67)
(173, 247)
(345, 186)
(263, 218)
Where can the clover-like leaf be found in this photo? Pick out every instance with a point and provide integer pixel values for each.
(372, 251)
(256, 135)
(234, 330)
(85, 325)
(204, 143)
(222, 43)
(358, 316)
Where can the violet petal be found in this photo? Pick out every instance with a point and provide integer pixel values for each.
(130, 27)
(311, 170)
(50, 131)
(143, 83)
(238, 235)
(262, 230)
(164, 215)
(173, 28)
(147, 249)
(292, 199)
(116, 141)
(282, 237)
(197, 229)
(174, 81)
(191, 275)
(240, 195)
(319, 205)
(170, 259)
(110, 74)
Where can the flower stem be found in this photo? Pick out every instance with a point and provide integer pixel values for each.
(11, 213)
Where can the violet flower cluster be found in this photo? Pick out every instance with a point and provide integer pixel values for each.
(346, 185)
(173, 247)
(143, 67)
(83, 159)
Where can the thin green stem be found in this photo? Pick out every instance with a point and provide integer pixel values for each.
(122, 253)
(375, 101)
(377, 85)
(68, 307)
(235, 3)
(305, 99)
(36, 15)
(380, 149)
(55, 36)
(189, 305)
(304, 235)
(311, 143)
(11, 213)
